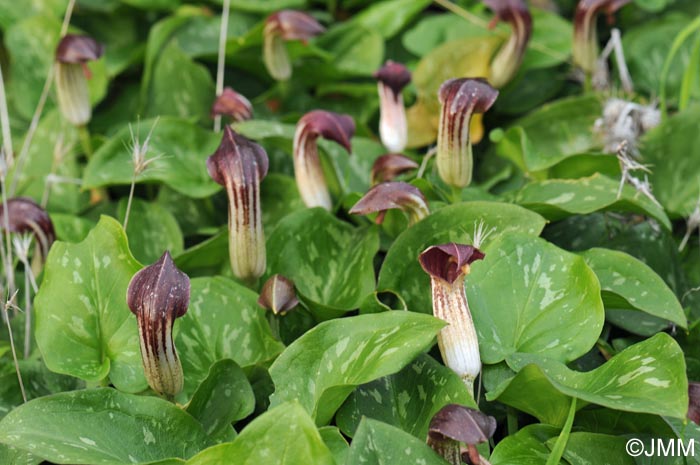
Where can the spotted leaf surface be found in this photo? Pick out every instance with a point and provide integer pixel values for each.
(70, 428)
(627, 283)
(224, 321)
(321, 368)
(83, 326)
(284, 435)
(407, 399)
(376, 443)
(560, 198)
(178, 146)
(647, 377)
(223, 397)
(401, 272)
(530, 296)
(330, 261)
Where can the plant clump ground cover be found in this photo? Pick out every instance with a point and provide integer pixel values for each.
(350, 232)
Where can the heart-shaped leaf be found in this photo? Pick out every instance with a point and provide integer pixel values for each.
(585, 448)
(321, 368)
(330, 261)
(529, 296)
(151, 230)
(559, 198)
(180, 147)
(407, 399)
(83, 298)
(376, 443)
(673, 149)
(551, 133)
(627, 283)
(526, 447)
(224, 321)
(285, 435)
(70, 428)
(223, 397)
(646, 377)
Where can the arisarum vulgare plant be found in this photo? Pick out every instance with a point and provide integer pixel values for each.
(585, 46)
(232, 104)
(393, 129)
(506, 63)
(72, 55)
(24, 215)
(307, 166)
(240, 165)
(448, 265)
(157, 295)
(389, 195)
(281, 27)
(459, 99)
(454, 425)
(389, 166)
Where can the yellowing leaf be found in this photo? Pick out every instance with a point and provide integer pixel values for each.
(454, 59)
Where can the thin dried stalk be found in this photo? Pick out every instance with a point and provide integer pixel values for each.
(223, 33)
(24, 152)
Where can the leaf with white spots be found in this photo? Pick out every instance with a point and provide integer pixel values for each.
(179, 146)
(647, 377)
(528, 295)
(224, 321)
(560, 198)
(103, 426)
(673, 150)
(376, 443)
(627, 283)
(284, 435)
(407, 399)
(322, 367)
(330, 261)
(223, 397)
(13, 456)
(188, 96)
(526, 447)
(585, 448)
(401, 272)
(83, 325)
(151, 230)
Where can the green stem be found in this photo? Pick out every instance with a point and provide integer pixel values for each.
(455, 194)
(560, 445)
(85, 141)
(690, 76)
(512, 418)
(675, 47)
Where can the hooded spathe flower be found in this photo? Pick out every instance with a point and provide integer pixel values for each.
(455, 424)
(506, 63)
(232, 104)
(393, 129)
(389, 195)
(240, 165)
(280, 27)
(448, 265)
(307, 166)
(72, 54)
(585, 46)
(157, 295)
(460, 99)
(389, 166)
(25, 215)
